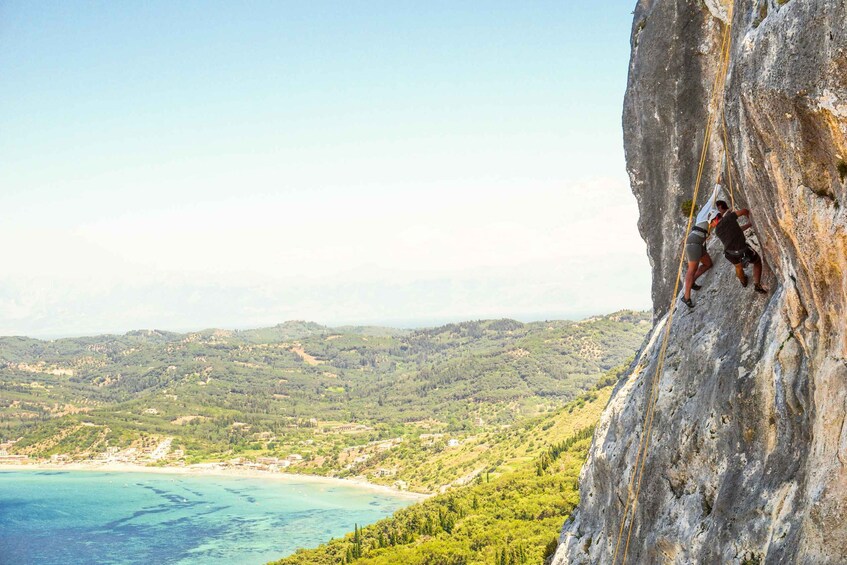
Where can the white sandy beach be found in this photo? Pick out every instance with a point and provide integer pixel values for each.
(208, 469)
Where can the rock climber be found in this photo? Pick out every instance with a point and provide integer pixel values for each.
(696, 254)
(736, 249)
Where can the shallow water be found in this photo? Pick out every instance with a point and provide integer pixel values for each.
(86, 517)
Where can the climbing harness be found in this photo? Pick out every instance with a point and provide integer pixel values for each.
(637, 475)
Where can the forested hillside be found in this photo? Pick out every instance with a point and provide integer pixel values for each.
(340, 401)
(507, 518)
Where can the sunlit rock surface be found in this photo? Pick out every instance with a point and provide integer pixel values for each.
(749, 443)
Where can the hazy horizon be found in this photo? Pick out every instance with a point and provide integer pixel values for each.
(398, 323)
(179, 166)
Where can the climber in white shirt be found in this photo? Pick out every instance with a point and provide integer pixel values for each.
(696, 254)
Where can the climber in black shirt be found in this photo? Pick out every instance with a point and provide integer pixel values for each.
(736, 249)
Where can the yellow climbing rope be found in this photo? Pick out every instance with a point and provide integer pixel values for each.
(647, 424)
(728, 162)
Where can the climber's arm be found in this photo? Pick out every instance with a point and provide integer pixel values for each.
(703, 215)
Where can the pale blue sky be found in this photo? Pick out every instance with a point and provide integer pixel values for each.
(240, 164)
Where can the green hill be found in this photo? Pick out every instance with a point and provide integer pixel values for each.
(500, 517)
(423, 407)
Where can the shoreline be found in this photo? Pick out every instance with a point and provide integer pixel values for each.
(211, 470)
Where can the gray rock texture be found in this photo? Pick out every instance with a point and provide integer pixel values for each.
(749, 442)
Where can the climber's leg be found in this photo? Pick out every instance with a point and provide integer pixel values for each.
(694, 253)
(690, 275)
(739, 272)
(757, 277)
(751, 256)
(705, 265)
(736, 258)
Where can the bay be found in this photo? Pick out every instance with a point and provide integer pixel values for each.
(91, 517)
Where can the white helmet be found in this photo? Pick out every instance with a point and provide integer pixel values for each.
(713, 213)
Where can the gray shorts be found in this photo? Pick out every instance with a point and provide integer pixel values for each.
(695, 247)
(694, 251)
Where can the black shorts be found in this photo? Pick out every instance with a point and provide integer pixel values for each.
(746, 255)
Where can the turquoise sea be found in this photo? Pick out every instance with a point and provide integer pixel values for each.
(88, 517)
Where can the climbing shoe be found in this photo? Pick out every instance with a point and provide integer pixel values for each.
(760, 289)
(687, 302)
(695, 286)
(743, 282)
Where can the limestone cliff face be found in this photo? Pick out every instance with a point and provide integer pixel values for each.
(749, 441)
